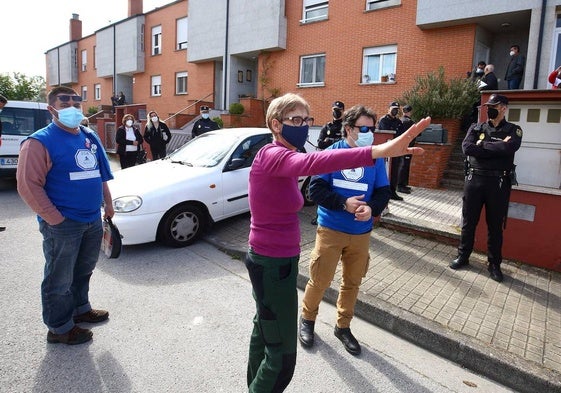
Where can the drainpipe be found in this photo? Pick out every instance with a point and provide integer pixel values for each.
(540, 40)
(114, 60)
(226, 77)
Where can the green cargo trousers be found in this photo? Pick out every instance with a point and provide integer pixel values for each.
(272, 348)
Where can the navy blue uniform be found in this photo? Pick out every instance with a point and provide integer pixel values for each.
(488, 183)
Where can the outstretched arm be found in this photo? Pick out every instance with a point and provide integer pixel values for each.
(400, 146)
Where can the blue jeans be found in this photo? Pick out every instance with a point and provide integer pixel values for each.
(71, 250)
(514, 84)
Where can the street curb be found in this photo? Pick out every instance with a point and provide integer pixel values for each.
(496, 364)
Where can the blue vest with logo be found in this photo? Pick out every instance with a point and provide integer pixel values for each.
(348, 183)
(79, 167)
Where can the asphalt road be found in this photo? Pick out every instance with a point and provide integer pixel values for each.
(180, 321)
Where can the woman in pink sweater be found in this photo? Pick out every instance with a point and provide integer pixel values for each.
(274, 238)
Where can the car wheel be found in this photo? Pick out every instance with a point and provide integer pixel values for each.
(182, 225)
(306, 192)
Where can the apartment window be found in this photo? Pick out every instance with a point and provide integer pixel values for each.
(156, 40)
(378, 4)
(84, 93)
(84, 56)
(314, 10)
(377, 62)
(312, 70)
(181, 31)
(156, 83)
(97, 92)
(95, 58)
(181, 83)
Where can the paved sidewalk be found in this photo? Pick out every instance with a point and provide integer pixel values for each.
(509, 331)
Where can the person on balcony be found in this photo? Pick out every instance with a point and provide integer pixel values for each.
(555, 78)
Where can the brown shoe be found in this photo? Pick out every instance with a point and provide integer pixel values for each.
(92, 316)
(74, 336)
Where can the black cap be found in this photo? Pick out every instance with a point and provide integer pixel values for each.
(497, 99)
(204, 108)
(407, 108)
(394, 104)
(338, 105)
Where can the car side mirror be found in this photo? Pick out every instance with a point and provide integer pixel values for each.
(235, 163)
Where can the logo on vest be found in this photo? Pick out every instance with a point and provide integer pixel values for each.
(85, 159)
(354, 174)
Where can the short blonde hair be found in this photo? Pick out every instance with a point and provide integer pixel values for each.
(283, 104)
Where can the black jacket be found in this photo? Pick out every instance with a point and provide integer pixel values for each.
(492, 153)
(203, 125)
(158, 137)
(330, 133)
(122, 141)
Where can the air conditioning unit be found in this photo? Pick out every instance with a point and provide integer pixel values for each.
(434, 134)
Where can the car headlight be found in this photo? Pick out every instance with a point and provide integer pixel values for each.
(127, 204)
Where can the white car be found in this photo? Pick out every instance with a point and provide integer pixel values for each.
(175, 199)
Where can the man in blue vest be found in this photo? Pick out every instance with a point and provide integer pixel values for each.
(62, 176)
(348, 200)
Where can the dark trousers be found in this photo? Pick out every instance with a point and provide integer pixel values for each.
(272, 347)
(128, 159)
(396, 163)
(158, 152)
(493, 193)
(403, 171)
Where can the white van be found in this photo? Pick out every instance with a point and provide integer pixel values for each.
(19, 119)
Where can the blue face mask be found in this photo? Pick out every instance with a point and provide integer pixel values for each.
(365, 139)
(70, 117)
(296, 136)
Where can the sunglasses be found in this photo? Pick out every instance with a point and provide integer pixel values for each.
(364, 129)
(66, 98)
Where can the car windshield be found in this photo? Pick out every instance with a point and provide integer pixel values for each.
(206, 150)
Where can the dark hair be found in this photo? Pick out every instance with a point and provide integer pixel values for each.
(3, 99)
(482, 63)
(515, 47)
(51, 97)
(351, 116)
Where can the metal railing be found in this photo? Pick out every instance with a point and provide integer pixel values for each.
(189, 106)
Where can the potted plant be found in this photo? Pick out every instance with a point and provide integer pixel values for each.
(384, 78)
(446, 101)
(433, 95)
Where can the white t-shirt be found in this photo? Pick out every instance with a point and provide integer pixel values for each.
(130, 137)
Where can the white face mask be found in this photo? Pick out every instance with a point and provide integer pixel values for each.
(129, 123)
(364, 139)
(154, 119)
(512, 53)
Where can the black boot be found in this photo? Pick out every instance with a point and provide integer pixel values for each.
(458, 263)
(306, 333)
(351, 344)
(495, 272)
(395, 197)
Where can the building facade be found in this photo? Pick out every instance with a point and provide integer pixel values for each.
(365, 51)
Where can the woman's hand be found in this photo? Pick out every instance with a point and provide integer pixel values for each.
(400, 146)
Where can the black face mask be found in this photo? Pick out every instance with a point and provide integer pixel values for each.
(337, 113)
(492, 113)
(394, 112)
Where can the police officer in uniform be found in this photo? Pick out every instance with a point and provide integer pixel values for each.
(490, 149)
(204, 124)
(391, 121)
(332, 131)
